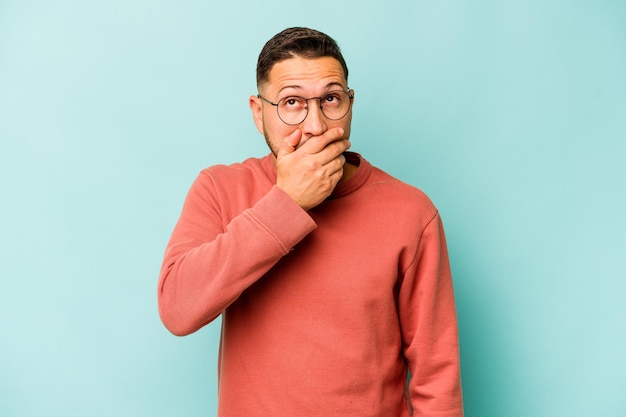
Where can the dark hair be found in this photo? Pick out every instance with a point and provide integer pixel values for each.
(296, 41)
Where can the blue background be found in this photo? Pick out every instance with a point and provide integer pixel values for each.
(510, 115)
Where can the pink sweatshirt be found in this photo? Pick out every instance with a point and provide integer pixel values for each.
(325, 312)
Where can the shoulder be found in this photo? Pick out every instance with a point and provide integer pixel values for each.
(248, 167)
(238, 174)
(400, 194)
(233, 187)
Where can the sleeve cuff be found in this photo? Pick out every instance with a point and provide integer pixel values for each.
(283, 218)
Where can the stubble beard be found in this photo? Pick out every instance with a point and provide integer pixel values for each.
(269, 142)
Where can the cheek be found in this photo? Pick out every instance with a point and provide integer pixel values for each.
(346, 123)
(276, 132)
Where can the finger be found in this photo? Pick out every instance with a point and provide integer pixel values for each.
(290, 143)
(337, 164)
(333, 150)
(316, 143)
(336, 169)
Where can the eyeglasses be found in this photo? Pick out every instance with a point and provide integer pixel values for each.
(293, 110)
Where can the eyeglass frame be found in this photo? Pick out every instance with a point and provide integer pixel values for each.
(306, 100)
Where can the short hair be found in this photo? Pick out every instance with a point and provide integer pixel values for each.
(296, 42)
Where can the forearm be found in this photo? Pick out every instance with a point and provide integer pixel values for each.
(202, 276)
(431, 335)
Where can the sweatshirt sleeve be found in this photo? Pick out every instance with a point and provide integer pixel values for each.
(208, 265)
(429, 328)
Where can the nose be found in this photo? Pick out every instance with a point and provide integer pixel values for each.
(315, 123)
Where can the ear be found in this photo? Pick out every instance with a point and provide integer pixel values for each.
(256, 106)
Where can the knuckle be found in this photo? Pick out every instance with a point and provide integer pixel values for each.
(314, 166)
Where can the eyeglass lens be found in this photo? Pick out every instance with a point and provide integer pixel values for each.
(294, 109)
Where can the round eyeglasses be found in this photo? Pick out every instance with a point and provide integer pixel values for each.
(293, 110)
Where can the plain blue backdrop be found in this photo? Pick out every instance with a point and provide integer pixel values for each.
(510, 115)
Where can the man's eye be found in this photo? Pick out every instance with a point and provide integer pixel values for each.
(292, 101)
(332, 99)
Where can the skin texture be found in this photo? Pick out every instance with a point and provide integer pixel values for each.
(309, 157)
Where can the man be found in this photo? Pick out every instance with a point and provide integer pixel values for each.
(332, 277)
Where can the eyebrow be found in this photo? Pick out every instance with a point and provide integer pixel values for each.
(298, 87)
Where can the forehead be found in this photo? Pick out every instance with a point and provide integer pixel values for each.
(305, 74)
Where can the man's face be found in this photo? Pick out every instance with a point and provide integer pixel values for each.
(304, 77)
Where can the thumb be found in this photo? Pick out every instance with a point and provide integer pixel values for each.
(289, 143)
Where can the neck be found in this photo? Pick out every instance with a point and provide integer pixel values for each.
(348, 171)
